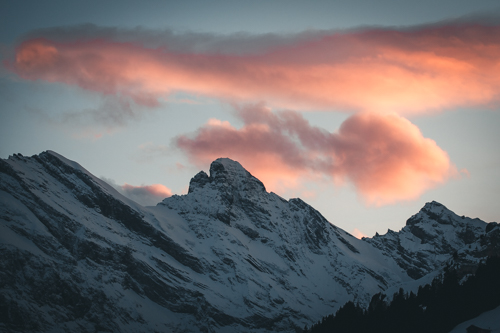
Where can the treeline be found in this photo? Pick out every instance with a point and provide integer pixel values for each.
(437, 307)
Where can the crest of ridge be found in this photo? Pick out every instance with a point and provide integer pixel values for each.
(228, 174)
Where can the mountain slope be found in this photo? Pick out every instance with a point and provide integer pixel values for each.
(68, 252)
(77, 255)
(487, 320)
(251, 236)
(226, 257)
(429, 238)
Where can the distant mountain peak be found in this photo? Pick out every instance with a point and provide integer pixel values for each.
(434, 207)
(435, 216)
(433, 204)
(433, 212)
(435, 232)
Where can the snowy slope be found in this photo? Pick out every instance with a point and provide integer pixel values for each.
(447, 241)
(487, 320)
(226, 257)
(68, 249)
(275, 255)
(429, 239)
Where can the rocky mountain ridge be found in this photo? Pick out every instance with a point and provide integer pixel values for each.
(428, 239)
(226, 257)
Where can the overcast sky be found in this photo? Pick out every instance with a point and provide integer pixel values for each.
(364, 109)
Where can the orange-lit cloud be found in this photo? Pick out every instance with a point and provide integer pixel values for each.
(147, 195)
(378, 70)
(358, 234)
(377, 73)
(388, 159)
(385, 157)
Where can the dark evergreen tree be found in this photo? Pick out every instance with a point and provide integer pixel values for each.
(437, 307)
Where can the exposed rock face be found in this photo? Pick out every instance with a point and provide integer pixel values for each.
(466, 259)
(198, 181)
(227, 257)
(229, 183)
(428, 239)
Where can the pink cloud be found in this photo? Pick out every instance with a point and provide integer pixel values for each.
(378, 70)
(385, 157)
(146, 194)
(358, 234)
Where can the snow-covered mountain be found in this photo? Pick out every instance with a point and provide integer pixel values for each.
(227, 257)
(428, 239)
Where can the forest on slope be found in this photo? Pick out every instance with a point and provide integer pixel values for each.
(436, 308)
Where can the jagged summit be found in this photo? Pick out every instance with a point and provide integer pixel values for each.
(227, 173)
(198, 181)
(435, 232)
(433, 205)
(434, 211)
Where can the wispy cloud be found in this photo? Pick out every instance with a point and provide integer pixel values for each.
(149, 152)
(109, 116)
(385, 157)
(408, 71)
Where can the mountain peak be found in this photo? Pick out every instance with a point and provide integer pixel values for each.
(225, 172)
(432, 211)
(429, 238)
(434, 206)
(198, 181)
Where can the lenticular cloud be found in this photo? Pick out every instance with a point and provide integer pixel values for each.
(385, 157)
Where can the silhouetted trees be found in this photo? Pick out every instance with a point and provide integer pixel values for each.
(437, 307)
